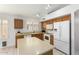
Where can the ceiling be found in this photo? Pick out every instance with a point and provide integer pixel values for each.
(29, 10)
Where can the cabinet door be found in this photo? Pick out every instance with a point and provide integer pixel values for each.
(18, 23)
(52, 39)
(57, 30)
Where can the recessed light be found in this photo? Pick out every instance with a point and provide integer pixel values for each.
(48, 6)
(38, 15)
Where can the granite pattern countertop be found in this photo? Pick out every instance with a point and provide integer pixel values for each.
(33, 46)
(28, 33)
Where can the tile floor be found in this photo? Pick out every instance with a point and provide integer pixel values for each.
(14, 51)
(8, 51)
(56, 52)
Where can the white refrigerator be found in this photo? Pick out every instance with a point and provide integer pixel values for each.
(61, 35)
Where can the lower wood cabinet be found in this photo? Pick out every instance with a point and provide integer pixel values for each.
(18, 37)
(40, 36)
(52, 39)
(50, 52)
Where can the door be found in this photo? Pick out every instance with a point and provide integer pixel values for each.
(3, 31)
(57, 31)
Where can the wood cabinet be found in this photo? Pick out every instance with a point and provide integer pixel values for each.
(18, 37)
(52, 39)
(39, 35)
(51, 21)
(18, 23)
(43, 25)
(50, 52)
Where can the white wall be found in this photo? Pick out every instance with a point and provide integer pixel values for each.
(76, 33)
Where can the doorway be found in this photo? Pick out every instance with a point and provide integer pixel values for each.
(3, 32)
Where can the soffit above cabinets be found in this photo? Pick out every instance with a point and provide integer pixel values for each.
(29, 10)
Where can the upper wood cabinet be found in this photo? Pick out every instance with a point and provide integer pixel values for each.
(43, 25)
(18, 23)
(51, 21)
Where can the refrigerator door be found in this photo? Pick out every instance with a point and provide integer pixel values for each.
(56, 31)
(62, 36)
(64, 27)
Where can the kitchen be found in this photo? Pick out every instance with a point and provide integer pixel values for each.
(32, 35)
(54, 33)
(49, 37)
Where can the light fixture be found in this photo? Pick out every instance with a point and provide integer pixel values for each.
(48, 6)
(38, 15)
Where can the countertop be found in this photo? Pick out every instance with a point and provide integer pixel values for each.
(32, 46)
(28, 33)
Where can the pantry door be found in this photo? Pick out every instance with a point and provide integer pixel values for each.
(3, 31)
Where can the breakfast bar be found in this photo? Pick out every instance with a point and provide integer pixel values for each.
(33, 46)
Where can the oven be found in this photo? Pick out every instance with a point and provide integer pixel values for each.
(47, 37)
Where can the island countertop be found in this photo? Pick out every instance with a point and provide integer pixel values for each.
(33, 46)
(28, 33)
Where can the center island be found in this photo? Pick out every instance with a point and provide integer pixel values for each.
(33, 46)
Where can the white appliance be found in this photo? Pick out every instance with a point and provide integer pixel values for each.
(48, 38)
(61, 35)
